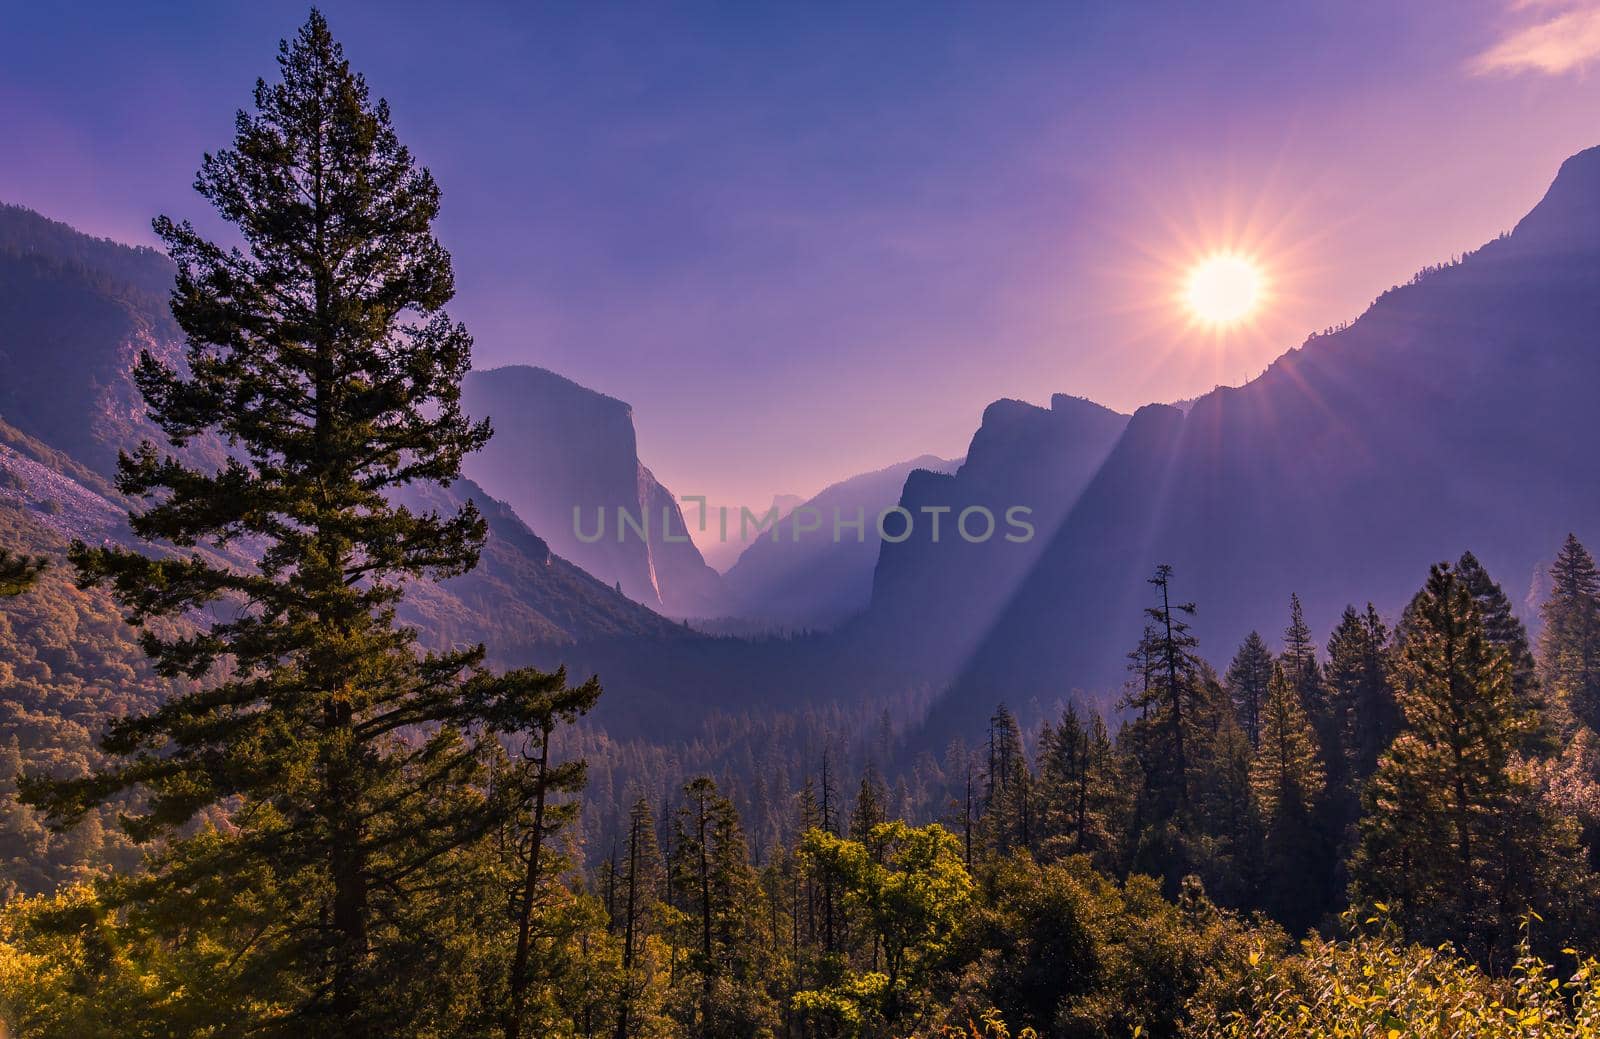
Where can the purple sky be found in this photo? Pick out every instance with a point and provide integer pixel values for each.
(814, 240)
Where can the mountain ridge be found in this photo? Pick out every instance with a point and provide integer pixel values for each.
(1446, 417)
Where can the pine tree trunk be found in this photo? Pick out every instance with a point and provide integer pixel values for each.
(530, 889)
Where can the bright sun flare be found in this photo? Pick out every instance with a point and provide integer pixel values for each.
(1224, 289)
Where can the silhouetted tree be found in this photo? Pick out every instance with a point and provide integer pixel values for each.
(1008, 786)
(1247, 680)
(1502, 628)
(1166, 698)
(1360, 694)
(1287, 777)
(1569, 646)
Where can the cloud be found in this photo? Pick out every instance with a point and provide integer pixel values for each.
(1556, 45)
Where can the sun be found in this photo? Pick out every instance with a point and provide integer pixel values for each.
(1224, 289)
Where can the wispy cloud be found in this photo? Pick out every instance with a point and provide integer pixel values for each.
(1556, 44)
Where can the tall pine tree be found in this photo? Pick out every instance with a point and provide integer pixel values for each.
(1247, 680)
(1008, 786)
(352, 765)
(722, 992)
(639, 910)
(1502, 628)
(1169, 698)
(1299, 659)
(1447, 832)
(1360, 695)
(1287, 777)
(1569, 645)
(1081, 789)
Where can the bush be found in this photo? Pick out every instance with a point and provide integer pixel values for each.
(1373, 984)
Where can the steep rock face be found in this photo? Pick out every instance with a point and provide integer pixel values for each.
(688, 587)
(1452, 415)
(800, 578)
(941, 594)
(566, 459)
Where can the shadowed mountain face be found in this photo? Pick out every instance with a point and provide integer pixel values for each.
(798, 577)
(559, 447)
(936, 591)
(75, 312)
(1452, 415)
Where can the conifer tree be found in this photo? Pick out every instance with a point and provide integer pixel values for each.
(1167, 698)
(724, 986)
(1442, 834)
(1360, 695)
(1080, 787)
(869, 808)
(1230, 865)
(545, 703)
(1502, 628)
(1287, 774)
(1300, 665)
(18, 573)
(1569, 645)
(1008, 786)
(827, 812)
(1247, 680)
(319, 351)
(1062, 782)
(639, 906)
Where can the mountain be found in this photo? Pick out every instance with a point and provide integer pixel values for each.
(566, 459)
(723, 555)
(1452, 415)
(75, 312)
(936, 591)
(793, 577)
(521, 600)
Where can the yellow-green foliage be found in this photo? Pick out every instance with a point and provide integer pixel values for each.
(1374, 985)
(989, 1025)
(909, 888)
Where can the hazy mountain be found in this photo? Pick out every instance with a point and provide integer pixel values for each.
(1451, 415)
(75, 312)
(936, 590)
(560, 449)
(794, 577)
(522, 599)
(722, 555)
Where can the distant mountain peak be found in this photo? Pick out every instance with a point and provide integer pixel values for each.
(1567, 219)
